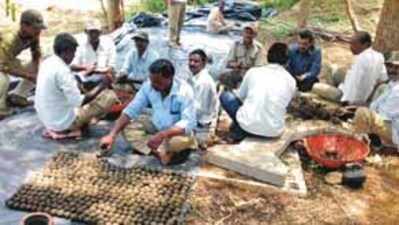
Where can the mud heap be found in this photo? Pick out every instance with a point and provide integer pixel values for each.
(308, 108)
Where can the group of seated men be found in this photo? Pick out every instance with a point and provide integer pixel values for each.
(76, 86)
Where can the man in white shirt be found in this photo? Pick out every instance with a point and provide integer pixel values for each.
(366, 72)
(95, 56)
(60, 106)
(176, 14)
(382, 118)
(216, 23)
(260, 107)
(206, 99)
(135, 68)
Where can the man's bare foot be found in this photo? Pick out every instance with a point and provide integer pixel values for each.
(94, 121)
(54, 135)
(18, 101)
(163, 155)
(165, 158)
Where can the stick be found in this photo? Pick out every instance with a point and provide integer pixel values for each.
(352, 17)
(221, 89)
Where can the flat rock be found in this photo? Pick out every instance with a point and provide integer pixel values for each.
(260, 157)
(294, 182)
(265, 167)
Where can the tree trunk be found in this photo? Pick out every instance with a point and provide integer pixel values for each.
(115, 14)
(352, 17)
(104, 11)
(304, 9)
(387, 36)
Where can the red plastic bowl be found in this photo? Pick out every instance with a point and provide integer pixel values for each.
(335, 150)
(125, 99)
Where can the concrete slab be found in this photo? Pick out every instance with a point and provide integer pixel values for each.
(293, 184)
(260, 157)
(265, 166)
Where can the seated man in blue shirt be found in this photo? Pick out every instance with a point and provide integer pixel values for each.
(305, 61)
(173, 115)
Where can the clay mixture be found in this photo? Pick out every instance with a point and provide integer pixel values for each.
(91, 190)
(308, 108)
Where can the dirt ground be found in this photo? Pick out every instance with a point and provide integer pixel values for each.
(215, 202)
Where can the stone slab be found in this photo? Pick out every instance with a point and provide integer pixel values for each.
(266, 166)
(260, 157)
(295, 180)
(293, 184)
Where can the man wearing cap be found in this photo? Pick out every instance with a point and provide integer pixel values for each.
(95, 56)
(59, 103)
(245, 54)
(176, 13)
(382, 118)
(135, 71)
(11, 45)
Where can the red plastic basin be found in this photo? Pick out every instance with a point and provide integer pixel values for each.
(335, 150)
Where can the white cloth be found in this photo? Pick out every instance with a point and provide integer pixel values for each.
(367, 69)
(137, 67)
(387, 106)
(206, 99)
(179, 1)
(265, 92)
(57, 94)
(103, 57)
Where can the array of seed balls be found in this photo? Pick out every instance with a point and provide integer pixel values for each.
(90, 190)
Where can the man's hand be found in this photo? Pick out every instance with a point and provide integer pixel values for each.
(236, 65)
(106, 142)
(301, 77)
(351, 108)
(155, 141)
(121, 78)
(107, 80)
(30, 77)
(89, 69)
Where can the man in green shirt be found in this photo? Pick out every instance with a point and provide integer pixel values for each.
(11, 45)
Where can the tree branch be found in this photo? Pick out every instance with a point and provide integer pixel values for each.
(352, 17)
